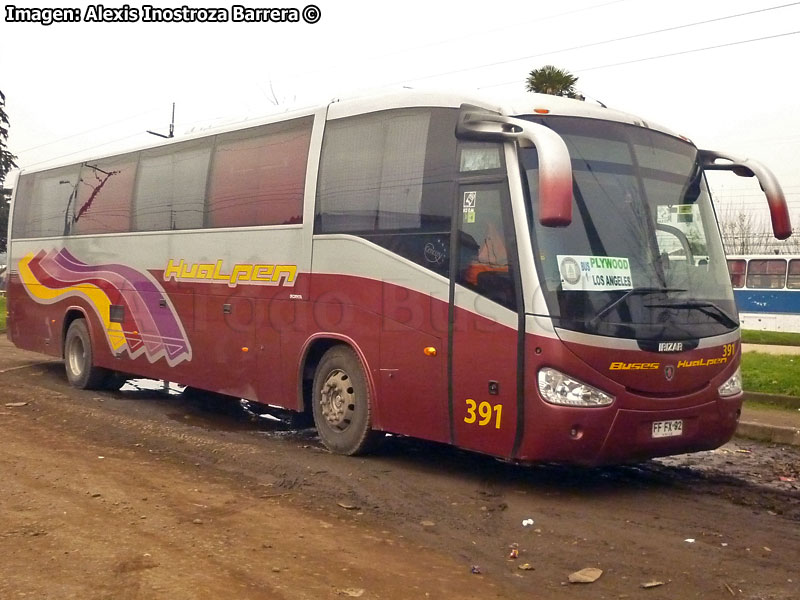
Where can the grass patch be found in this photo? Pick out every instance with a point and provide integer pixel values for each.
(776, 338)
(2, 313)
(768, 406)
(771, 373)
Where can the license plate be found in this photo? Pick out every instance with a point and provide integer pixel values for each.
(667, 428)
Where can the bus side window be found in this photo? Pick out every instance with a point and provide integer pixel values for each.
(105, 192)
(171, 186)
(387, 177)
(766, 273)
(257, 175)
(45, 203)
(736, 268)
(486, 249)
(793, 280)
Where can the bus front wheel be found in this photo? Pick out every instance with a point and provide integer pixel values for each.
(341, 403)
(78, 358)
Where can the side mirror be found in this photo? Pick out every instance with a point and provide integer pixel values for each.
(555, 165)
(743, 167)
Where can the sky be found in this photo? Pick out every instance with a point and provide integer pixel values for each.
(718, 71)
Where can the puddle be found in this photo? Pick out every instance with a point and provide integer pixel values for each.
(213, 411)
(138, 385)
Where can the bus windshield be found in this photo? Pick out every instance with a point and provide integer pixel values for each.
(642, 257)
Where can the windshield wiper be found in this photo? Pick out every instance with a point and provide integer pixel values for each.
(709, 308)
(634, 292)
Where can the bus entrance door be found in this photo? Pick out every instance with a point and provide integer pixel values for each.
(483, 409)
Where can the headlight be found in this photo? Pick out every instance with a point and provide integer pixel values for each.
(731, 387)
(558, 388)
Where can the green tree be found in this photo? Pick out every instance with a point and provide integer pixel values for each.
(6, 164)
(4, 210)
(554, 81)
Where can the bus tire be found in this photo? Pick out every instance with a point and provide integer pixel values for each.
(79, 358)
(341, 403)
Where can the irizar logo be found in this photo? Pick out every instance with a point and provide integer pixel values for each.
(670, 346)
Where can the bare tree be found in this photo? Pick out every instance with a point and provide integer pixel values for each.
(741, 233)
(274, 99)
(745, 233)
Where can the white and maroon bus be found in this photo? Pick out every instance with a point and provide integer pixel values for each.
(534, 278)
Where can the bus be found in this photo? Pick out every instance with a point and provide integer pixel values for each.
(767, 291)
(534, 278)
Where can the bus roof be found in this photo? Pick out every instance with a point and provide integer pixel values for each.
(520, 104)
(787, 256)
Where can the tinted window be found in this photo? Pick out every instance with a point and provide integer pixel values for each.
(387, 177)
(768, 274)
(44, 204)
(793, 280)
(171, 187)
(372, 171)
(479, 157)
(104, 196)
(258, 175)
(486, 245)
(736, 269)
(23, 197)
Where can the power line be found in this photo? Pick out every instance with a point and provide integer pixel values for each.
(461, 37)
(623, 38)
(188, 126)
(55, 158)
(726, 194)
(638, 60)
(86, 131)
(777, 139)
(749, 188)
(505, 27)
(629, 62)
(594, 44)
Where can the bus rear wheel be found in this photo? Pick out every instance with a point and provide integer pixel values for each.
(341, 403)
(78, 358)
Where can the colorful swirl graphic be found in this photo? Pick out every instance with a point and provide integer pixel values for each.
(147, 326)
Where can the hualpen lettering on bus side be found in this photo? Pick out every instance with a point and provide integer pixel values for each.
(99, 13)
(259, 274)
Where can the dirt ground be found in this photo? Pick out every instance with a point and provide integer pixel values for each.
(142, 494)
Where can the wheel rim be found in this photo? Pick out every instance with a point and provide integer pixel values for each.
(76, 356)
(338, 400)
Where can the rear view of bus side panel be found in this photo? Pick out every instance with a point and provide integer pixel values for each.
(167, 324)
(175, 261)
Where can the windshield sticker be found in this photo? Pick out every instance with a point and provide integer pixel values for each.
(469, 206)
(680, 213)
(684, 212)
(594, 273)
